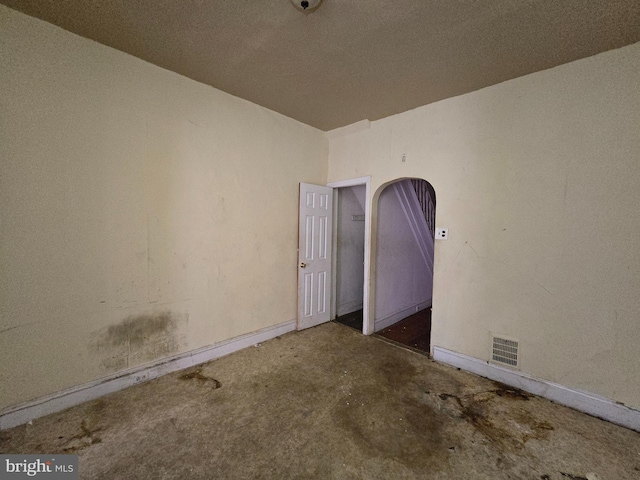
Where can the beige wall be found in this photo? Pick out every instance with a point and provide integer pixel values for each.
(538, 181)
(142, 214)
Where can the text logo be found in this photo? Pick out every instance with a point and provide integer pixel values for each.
(50, 467)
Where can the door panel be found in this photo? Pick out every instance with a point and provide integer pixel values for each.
(314, 255)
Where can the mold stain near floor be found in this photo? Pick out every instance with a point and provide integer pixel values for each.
(138, 339)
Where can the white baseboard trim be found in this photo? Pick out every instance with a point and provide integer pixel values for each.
(382, 323)
(586, 402)
(64, 399)
(349, 307)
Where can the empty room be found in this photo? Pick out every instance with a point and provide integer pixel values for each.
(442, 280)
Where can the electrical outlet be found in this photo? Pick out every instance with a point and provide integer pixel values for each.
(141, 377)
(442, 233)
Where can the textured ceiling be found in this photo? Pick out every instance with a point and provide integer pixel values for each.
(351, 59)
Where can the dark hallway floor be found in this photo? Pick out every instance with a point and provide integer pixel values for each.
(329, 403)
(353, 320)
(413, 332)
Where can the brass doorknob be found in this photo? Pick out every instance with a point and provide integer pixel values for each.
(302, 265)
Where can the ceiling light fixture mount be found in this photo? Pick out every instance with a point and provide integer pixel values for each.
(306, 5)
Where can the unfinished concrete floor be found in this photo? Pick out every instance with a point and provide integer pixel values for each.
(329, 403)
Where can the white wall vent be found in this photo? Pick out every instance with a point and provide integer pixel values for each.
(505, 351)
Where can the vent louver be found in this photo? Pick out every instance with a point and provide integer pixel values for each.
(505, 351)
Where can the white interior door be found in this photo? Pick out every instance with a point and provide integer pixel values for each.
(314, 255)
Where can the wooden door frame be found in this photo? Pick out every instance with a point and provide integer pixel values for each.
(367, 314)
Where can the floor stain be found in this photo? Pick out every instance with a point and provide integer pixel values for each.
(200, 377)
(572, 477)
(506, 391)
(83, 439)
(418, 442)
(421, 442)
(479, 409)
(397, 373)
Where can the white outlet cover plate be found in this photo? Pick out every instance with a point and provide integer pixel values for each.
(442, 233)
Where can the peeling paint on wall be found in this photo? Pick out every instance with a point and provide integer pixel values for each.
(138, 339)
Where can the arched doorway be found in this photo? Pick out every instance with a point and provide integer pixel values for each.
(403, 265)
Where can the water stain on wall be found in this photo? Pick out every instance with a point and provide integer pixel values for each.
(138, 339)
